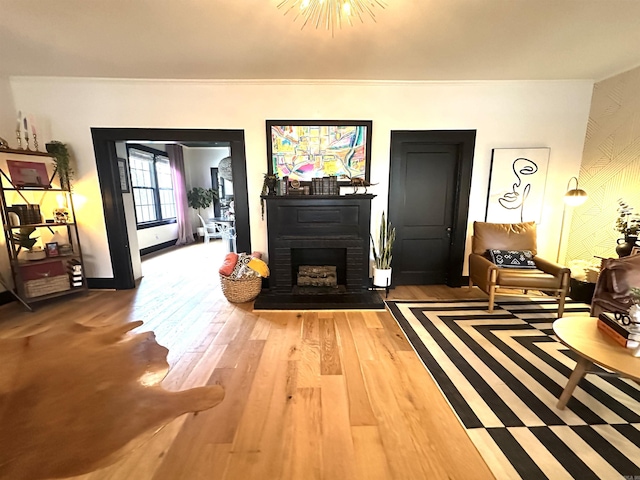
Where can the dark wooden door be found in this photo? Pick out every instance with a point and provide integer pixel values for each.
(428, 204)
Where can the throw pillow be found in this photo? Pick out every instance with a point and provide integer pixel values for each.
(259, 266)
(512, 258)
(243, 259)
(229, 264)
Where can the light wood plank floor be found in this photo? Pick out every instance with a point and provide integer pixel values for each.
(309, 395)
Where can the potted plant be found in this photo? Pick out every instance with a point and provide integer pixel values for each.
(22, 239)
(628, 224)
(382, 253)
(200, 198)
(62, 162)
(268, 188)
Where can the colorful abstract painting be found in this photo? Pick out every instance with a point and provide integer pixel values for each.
(303, 150)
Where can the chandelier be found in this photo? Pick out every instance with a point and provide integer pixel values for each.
(331, 13)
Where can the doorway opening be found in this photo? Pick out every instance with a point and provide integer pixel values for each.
(105, 141)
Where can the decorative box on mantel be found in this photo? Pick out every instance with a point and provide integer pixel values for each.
(319, 230)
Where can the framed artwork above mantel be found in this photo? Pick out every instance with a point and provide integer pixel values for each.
(306, 149)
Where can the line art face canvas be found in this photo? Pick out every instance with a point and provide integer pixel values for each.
(517, 185)
(303, 150)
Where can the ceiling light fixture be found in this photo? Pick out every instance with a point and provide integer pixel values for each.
(331, 13)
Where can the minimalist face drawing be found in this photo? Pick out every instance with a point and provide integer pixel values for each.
(516, 198)
(517, 185)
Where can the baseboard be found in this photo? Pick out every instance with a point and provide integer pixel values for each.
(155, 248)
(101, 283)
(6, 297)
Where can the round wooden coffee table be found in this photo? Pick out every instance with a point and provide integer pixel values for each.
(581, 334)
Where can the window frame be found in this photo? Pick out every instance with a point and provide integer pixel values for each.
(156, 189)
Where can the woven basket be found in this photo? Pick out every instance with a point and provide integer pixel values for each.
(45, 286)
(240, 290)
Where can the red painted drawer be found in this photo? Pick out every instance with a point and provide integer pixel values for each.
(42, 270)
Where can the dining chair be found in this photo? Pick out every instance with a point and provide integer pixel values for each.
(209, 230)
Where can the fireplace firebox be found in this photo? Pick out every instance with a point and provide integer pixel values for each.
(317, 231)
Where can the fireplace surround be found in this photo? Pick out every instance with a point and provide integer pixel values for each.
(319, 230)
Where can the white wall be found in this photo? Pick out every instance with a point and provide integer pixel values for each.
(8, 115)
(505, 114)
(130, 219)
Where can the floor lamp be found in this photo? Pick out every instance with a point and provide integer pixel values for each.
(573, 198)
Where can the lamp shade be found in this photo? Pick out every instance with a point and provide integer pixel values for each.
(575, 197)
(224, 169)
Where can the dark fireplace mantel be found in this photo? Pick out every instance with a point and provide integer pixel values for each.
(310, 229)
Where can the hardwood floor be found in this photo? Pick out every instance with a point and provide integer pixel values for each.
(308, 395)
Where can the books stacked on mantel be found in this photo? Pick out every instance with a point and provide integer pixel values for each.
(622, 334)
(325, 186)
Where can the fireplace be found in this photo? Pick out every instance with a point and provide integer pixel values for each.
(317, 231)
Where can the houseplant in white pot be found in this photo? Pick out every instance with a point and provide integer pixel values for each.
(382, 253)
(201, 198)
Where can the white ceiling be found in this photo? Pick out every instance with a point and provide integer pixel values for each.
(252, 39)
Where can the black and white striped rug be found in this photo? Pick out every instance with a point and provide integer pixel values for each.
(503, 373)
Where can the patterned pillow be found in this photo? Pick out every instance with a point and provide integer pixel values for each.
(238, 270)
(512, 258)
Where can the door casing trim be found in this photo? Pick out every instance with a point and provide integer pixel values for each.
(104, 140)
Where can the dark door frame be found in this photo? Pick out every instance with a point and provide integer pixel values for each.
(104, 145)
(465, 140)
(215, 184)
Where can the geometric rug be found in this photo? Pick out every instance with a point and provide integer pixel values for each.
(502, 374)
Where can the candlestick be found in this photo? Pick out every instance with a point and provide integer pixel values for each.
(35, 138)
(26, 133)
(18, 134)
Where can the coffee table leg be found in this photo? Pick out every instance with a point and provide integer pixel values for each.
(582, 367)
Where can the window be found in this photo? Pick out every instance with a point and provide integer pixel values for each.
(152, 187)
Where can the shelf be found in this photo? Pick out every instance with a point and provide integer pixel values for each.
(39, 225)
(58, 258)
(318, 197)
(54, 294)
(26, 273)
(36, 189)
(15, 151)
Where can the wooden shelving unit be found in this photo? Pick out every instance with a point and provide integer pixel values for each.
(61, 271)
(24, 152)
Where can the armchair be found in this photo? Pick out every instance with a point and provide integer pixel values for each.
(617, 276)
(544, 275)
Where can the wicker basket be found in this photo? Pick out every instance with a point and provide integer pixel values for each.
(45, 286)
(240, 290)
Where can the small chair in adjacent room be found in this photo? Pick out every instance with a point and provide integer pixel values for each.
(209, 230)
(515, 263)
